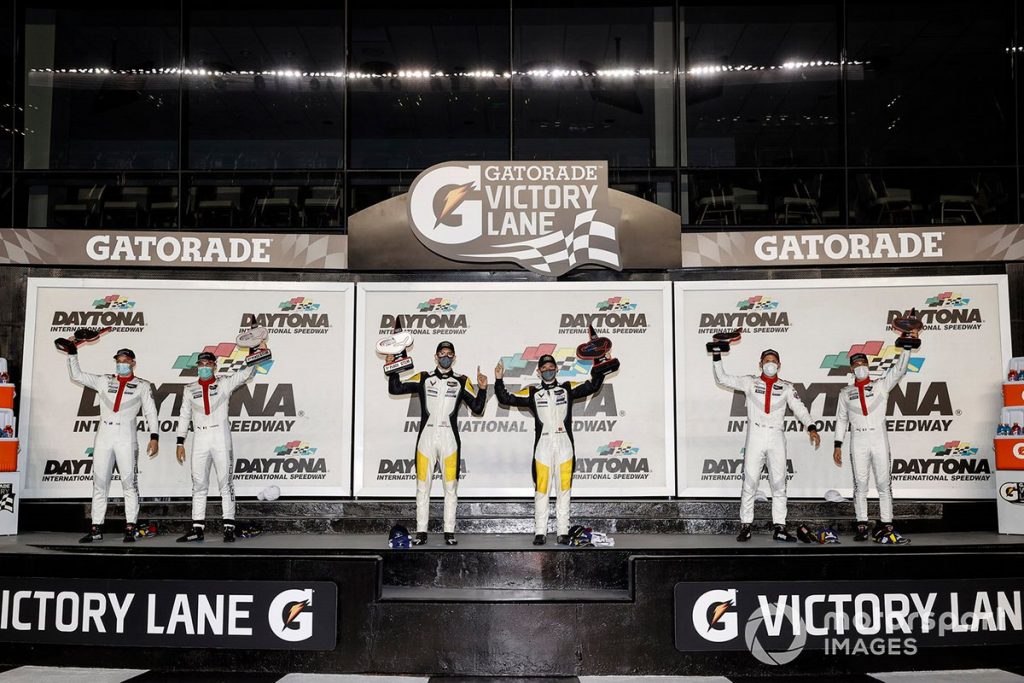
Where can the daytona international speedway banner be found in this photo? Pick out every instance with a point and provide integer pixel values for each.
(291, 423)
(941, 416)
(624, 433)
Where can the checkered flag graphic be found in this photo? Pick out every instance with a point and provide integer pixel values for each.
(231, 365)
(7, 501)
(883, 364)
(590, 241)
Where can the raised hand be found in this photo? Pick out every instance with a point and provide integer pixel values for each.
(481, 379)
(499, 370)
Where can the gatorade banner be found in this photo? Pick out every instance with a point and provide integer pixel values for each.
(623, 434)
(941, 416)
(290, 424)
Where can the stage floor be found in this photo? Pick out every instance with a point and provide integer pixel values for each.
(377, 544)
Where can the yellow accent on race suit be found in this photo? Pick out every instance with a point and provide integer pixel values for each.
(565, 474)
(451, 467)
(543, 472)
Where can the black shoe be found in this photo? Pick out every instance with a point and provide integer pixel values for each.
(196, 534)
(449, 539)
(129, 533)
(540, 539)
(95, 534)
(421, 538)
(862, 532)
(229, 534)
(804, 534)
(563, 539)
(779, 533)
(745, 533)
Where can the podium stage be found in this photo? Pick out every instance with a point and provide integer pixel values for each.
(495, 605)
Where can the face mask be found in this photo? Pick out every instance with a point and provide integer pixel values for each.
(205, 372)
(770, 369)
(548, 375)
(124, 369)
(445, 362)
(861, 372)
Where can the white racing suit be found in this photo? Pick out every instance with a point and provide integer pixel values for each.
(121, 399)
(441, 394)
(554, 456)
(767, 400)
(861, 412)
(205, 404)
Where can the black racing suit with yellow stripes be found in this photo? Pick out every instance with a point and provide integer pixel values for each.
(553, 449)
(440, 394)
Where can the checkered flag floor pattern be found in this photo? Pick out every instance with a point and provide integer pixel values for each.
(48, 674)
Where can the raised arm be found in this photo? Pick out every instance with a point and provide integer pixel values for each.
(95, 382)
(410, 386)
(737, 383)
(474, 398)
(520, 399)
(237, 379)
(897, 371)
(584, 389)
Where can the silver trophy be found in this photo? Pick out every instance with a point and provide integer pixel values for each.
(254, 339)
(395, 345)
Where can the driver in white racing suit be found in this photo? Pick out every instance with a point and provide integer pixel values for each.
(862, 412)
(121, 397)
(205, 405)
(767, 399)
(554, 456)
(441, 392)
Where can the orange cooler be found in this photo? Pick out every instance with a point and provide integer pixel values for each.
(1009, 452)
(1013, 394)
(9, 455)
(7, 396)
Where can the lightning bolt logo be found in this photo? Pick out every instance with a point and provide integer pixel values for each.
(455, 196)
(720, 610)
(294, 611)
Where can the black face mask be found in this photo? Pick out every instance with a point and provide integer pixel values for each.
(548, 375)
(445, 362)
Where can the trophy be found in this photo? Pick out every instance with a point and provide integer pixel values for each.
(395, 345)
(722, 340)
(82, 335)
(254, 339)
(909, 327)
(596, 350)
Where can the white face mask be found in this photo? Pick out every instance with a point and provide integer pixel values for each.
(770, 369)
(861, 372)
(124, 369)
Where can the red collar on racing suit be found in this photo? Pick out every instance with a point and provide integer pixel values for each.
(860, 384)
(121, 381)
(768, 382)
(205, 384)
